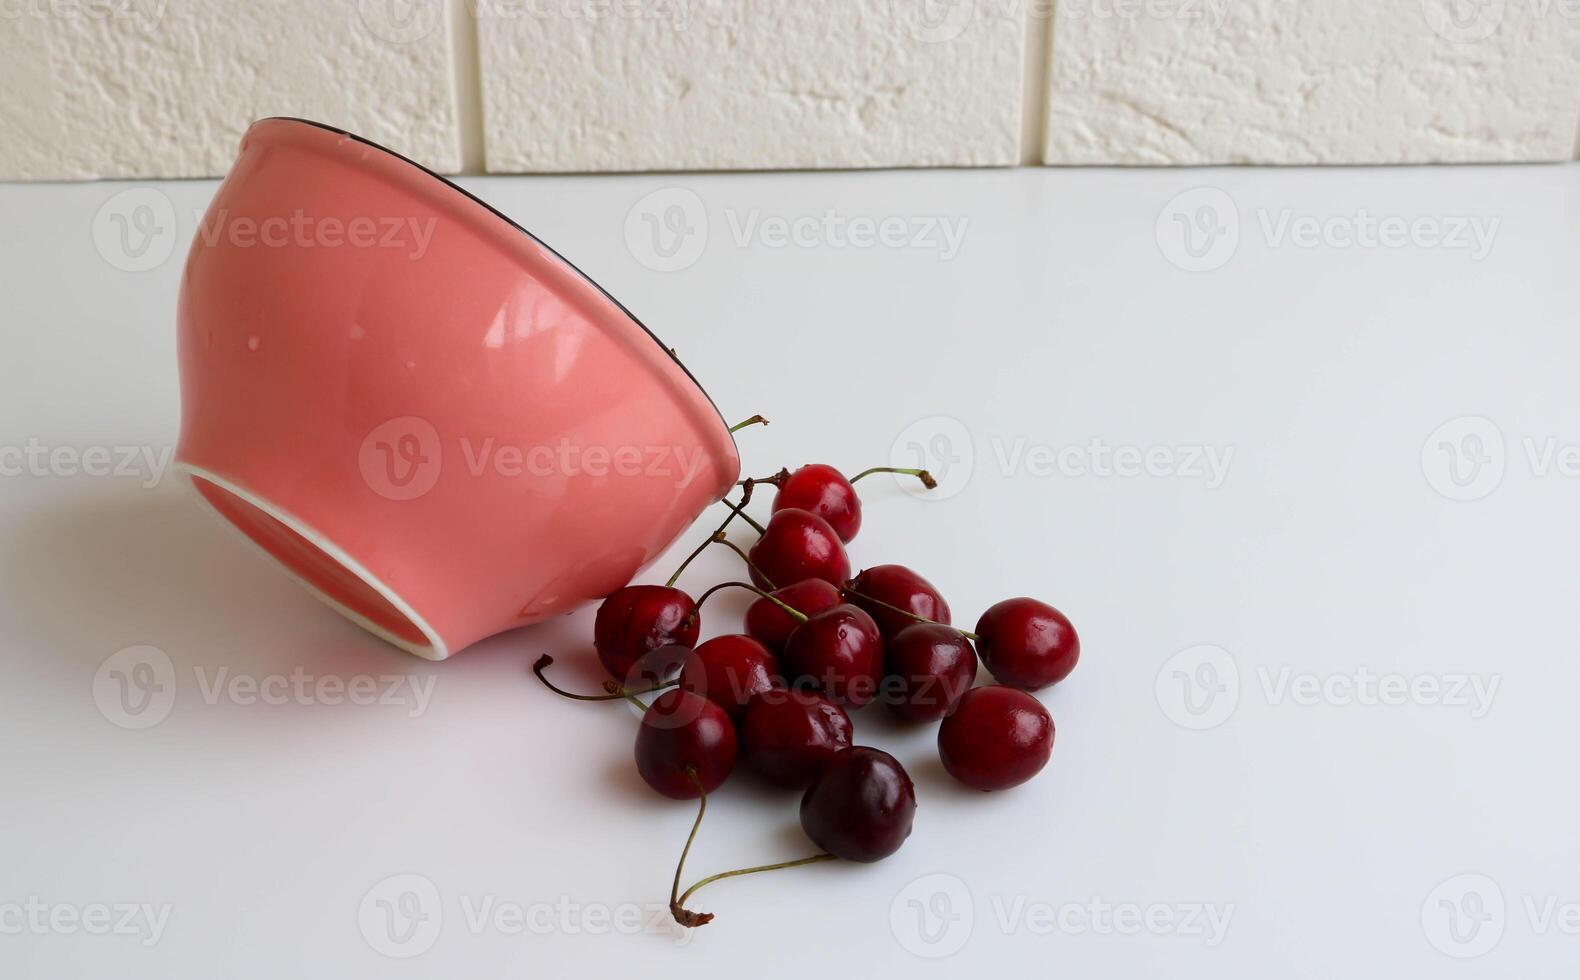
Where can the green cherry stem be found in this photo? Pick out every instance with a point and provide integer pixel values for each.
(754, 420)
(544, 662)
(677, 899)
(720, 538)
(790, 610)
(923, 475)
(746, 496)
(906, 612)
(746, 517)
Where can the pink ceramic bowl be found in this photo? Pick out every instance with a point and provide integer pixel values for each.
(430, 418)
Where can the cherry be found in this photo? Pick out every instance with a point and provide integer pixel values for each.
(787, 736)
(883, 590)
(728, 670)
(640, 618)
(824, 491)
(861, 806)
(772, 626)
(1027, 644)
(686, 745)
(929, 668)
(839, 652)
(798, 545)
(997, 737)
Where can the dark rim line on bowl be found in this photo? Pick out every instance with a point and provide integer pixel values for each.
(549, 248)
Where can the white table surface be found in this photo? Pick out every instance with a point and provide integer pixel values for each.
(1334, 833)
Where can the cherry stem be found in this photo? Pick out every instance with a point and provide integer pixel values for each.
(720, 538)
(677, 900)
(795, 613)
(616, 691)
(619, 692)
(814, 859)
(906, 612)
(683, 915)
(923, 475)
(746, 496)
(778, 479)
(746, 517)
(754, 420)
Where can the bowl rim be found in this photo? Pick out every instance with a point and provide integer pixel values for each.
(573, 267)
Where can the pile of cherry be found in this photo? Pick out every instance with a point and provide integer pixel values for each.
(819, 642)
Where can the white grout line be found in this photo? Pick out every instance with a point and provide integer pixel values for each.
(468, 86)
(1035, 78)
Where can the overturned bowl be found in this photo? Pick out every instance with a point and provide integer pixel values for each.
(427, 416)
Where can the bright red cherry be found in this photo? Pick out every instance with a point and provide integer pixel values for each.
(881, 586)
(997, 737)
(824, 491)
(728, 670)
(798, 545)
(772, 626)
(683, 733)
(861, 806)
(929, 668)
(1027, 644)
(640, 618)
(839, 652)
(787, 736)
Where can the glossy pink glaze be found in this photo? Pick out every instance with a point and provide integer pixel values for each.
(444, 431)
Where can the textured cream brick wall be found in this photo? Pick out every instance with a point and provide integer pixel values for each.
(164, 88)
(1298, 81)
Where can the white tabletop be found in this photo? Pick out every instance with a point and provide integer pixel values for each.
(1305, 482)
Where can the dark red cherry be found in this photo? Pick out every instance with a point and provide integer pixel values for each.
(839, 652)
(823, 491)
(729, 669)
(772, 626)
(640, 618)
(861, 806)
(798, 545)
(787, 736)
(1027, 644)
(928, 669)
(997, 737)
(682, 731)
(898, 586)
